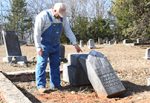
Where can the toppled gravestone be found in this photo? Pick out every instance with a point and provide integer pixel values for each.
(73, 72)
(101, 75)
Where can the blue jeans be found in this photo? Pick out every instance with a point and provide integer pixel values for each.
(54, 62)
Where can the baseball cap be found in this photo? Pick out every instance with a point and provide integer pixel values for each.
(61, 9)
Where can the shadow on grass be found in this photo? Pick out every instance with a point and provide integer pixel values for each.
(69, 88)
(83, 88)
(132, 88)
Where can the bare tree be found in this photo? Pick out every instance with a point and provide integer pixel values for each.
(4, 10)
(35, 6)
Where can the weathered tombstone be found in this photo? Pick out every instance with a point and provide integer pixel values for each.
(125, 41)
(81, 43)
(115, 42)
(148, 81)
(106, 40)
(137, 40)
(73, 71)
(62, 53)
(100, 41)
(101, 75)
(12, 46)
(1, 40)
(147, 53)
(91, 44)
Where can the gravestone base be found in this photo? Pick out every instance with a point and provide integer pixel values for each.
(73, 72)
(146, 57)
(75, 76)
(15, 59)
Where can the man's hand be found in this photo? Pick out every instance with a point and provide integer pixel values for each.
(78, 49)
(40, 51)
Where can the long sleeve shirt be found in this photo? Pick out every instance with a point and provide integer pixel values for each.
(42, 22)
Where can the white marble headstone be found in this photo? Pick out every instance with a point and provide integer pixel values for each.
(147, 53)
(137, 40)
(81, 43)
(91, 44)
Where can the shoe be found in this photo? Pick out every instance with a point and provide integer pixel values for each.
(56, 88)
(59, 88)
(42, 90)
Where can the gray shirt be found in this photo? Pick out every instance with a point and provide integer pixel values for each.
(42, 22)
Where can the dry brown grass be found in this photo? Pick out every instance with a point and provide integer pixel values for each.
(127, 61)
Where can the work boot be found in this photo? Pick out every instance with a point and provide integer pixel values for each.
(56, 88)
(42, 90)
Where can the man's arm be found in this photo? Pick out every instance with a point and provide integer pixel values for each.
(39, 23)
(68, 31)
(70, 35)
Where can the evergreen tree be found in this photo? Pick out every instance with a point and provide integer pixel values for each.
(80, 28)
(86, 29)
(18, 19)
(133, 17)
(100, 28)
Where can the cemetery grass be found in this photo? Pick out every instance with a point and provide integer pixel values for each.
(127, 61)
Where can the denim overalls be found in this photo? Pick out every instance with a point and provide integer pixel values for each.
(50, 44)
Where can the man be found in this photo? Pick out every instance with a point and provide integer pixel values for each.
(48, 28)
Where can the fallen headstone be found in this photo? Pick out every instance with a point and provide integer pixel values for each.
(101, 75)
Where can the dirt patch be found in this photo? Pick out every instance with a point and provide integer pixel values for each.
(127, 61)
(85, 94)
(69, 94)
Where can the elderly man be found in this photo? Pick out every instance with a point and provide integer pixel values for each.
(47, 32)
